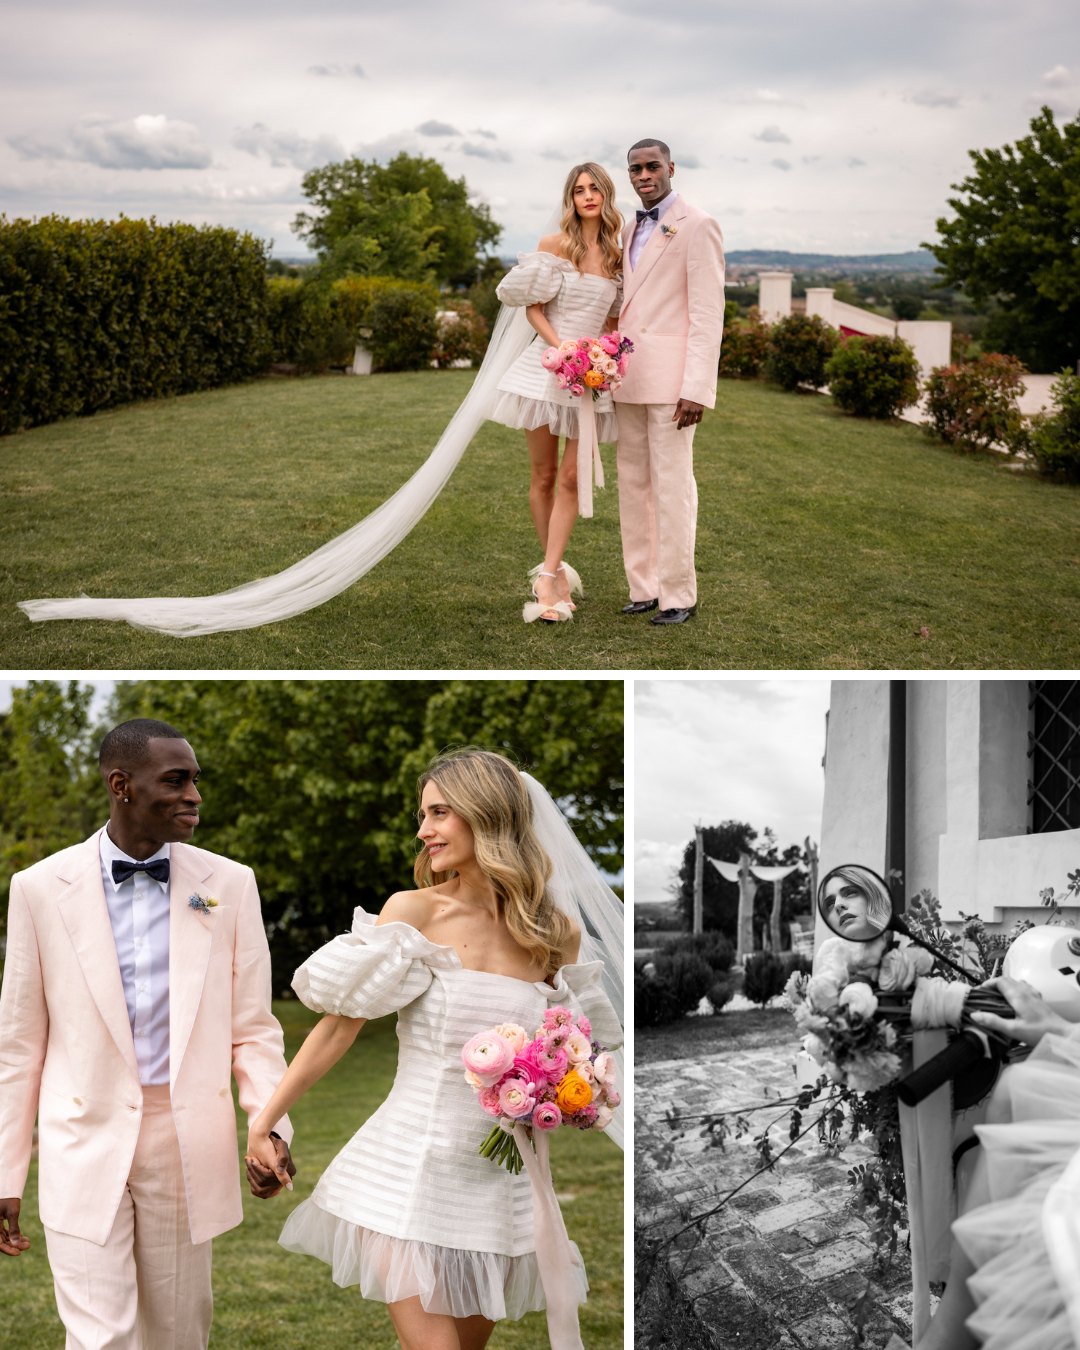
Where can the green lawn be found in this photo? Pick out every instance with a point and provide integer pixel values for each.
(268, 1299)
(823, 543)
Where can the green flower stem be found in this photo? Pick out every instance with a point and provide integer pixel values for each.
(502, 1148)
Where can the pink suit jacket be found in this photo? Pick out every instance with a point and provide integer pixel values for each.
(673, 310)
(66, 1049)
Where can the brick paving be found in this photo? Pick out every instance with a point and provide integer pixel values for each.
(783, 1264)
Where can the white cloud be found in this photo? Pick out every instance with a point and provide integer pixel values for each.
(287, 147)
(148, 141)
(433, 128)
(773, 135)
(485, 152)
(780, 164)
(1057, 78)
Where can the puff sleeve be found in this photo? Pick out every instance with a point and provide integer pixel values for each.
(370, 971)
(534, 281)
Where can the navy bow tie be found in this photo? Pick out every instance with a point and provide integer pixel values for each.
(158, 869)
(652, 214)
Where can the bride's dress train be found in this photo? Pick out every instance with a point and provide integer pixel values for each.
(337, 564)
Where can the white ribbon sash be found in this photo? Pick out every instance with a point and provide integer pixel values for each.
(556, 1258)
(588, 455)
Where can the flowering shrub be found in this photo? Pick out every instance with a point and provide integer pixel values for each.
(873, 376)
(1054, 438)
(462, 334)
(799, 350)
(745, 348)
(974, 406)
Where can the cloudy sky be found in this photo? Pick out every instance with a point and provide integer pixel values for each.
(706, 751)
(835, 125)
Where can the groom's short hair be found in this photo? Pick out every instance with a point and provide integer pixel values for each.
(129, 743)
(651, 140)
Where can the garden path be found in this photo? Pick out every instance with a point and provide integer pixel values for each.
(784, 1264)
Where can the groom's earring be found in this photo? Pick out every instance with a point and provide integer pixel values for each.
(126, 800)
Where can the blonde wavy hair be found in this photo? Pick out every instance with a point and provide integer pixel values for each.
(490, 795)
(610, 221)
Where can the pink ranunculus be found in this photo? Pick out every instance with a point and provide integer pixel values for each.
(547, 1117)
(551, 358)
(487, 1055)
(577, 1047)
(489, 1100)
(584, 1026)
(526, 1061)
(612, 1098)
(577, 389)
(558, 1017)
(515, 1097)
(604, 1067)
(516, 1036)
(622, 364)
(610, 344)
(552, 1062)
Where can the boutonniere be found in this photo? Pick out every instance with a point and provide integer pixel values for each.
(669, 230)
(203, 903)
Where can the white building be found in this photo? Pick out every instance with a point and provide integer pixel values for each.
(970, 788)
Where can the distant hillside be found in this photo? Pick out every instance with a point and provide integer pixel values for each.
(758, 259)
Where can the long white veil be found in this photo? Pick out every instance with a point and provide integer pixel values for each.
(337, 564)
(580, 891)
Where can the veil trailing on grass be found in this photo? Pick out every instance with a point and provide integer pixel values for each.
(337, 564)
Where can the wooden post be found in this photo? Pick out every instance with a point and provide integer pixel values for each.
(747, 890)
(699, 881)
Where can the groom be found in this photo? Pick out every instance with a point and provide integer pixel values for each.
(137, 973)
(673, 308)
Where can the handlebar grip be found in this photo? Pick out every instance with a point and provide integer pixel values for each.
(961, 1053)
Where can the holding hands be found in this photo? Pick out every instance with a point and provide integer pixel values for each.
(1034, 1016)
(269, 1164)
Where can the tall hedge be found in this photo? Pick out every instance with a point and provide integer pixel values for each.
(97, 313)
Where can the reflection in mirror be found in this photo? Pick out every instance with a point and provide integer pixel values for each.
(855, 902)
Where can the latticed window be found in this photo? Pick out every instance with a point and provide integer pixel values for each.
(1054, 755)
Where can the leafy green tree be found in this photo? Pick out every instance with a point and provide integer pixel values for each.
(1015, 241)
(50, 793)
(407, 218)
(312, 782)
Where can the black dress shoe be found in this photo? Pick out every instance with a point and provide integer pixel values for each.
(674, 615)
(640, 606)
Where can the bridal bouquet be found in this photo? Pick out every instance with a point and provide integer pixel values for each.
(598, 364)
(843, 1032)
(559, 1077)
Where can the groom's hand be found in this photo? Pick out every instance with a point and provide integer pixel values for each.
(12, 1241)
(266, 1181)
(687, 413)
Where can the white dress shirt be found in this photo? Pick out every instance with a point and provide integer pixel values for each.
(643, 230)
(139, 912)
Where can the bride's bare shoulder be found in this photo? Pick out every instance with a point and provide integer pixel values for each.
(411, 907)
(552, 243)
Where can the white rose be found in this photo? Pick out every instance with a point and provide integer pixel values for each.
(859, 999)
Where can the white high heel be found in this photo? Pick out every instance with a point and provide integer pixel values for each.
(572, 579)
(534, 609)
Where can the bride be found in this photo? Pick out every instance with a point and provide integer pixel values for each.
(570, 280)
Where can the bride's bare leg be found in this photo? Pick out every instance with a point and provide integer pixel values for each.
(563, 517)
(418, 1329)
(947, 1330)
(543, 450)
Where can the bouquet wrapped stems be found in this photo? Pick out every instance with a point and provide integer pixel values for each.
(502, 1148)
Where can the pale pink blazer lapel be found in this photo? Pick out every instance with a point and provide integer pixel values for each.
(650, 254)
(85, 915)
(191, 934)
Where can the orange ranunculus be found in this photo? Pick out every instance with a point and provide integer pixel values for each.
(594, 379)
(572, 1094)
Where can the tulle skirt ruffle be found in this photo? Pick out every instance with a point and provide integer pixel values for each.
(515, 410)
(447, 1280)
(1020, 1304)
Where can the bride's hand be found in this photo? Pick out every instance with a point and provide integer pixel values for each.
(269, 1164)
(1034, 1016)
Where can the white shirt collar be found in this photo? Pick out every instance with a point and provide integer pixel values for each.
(109, 852)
